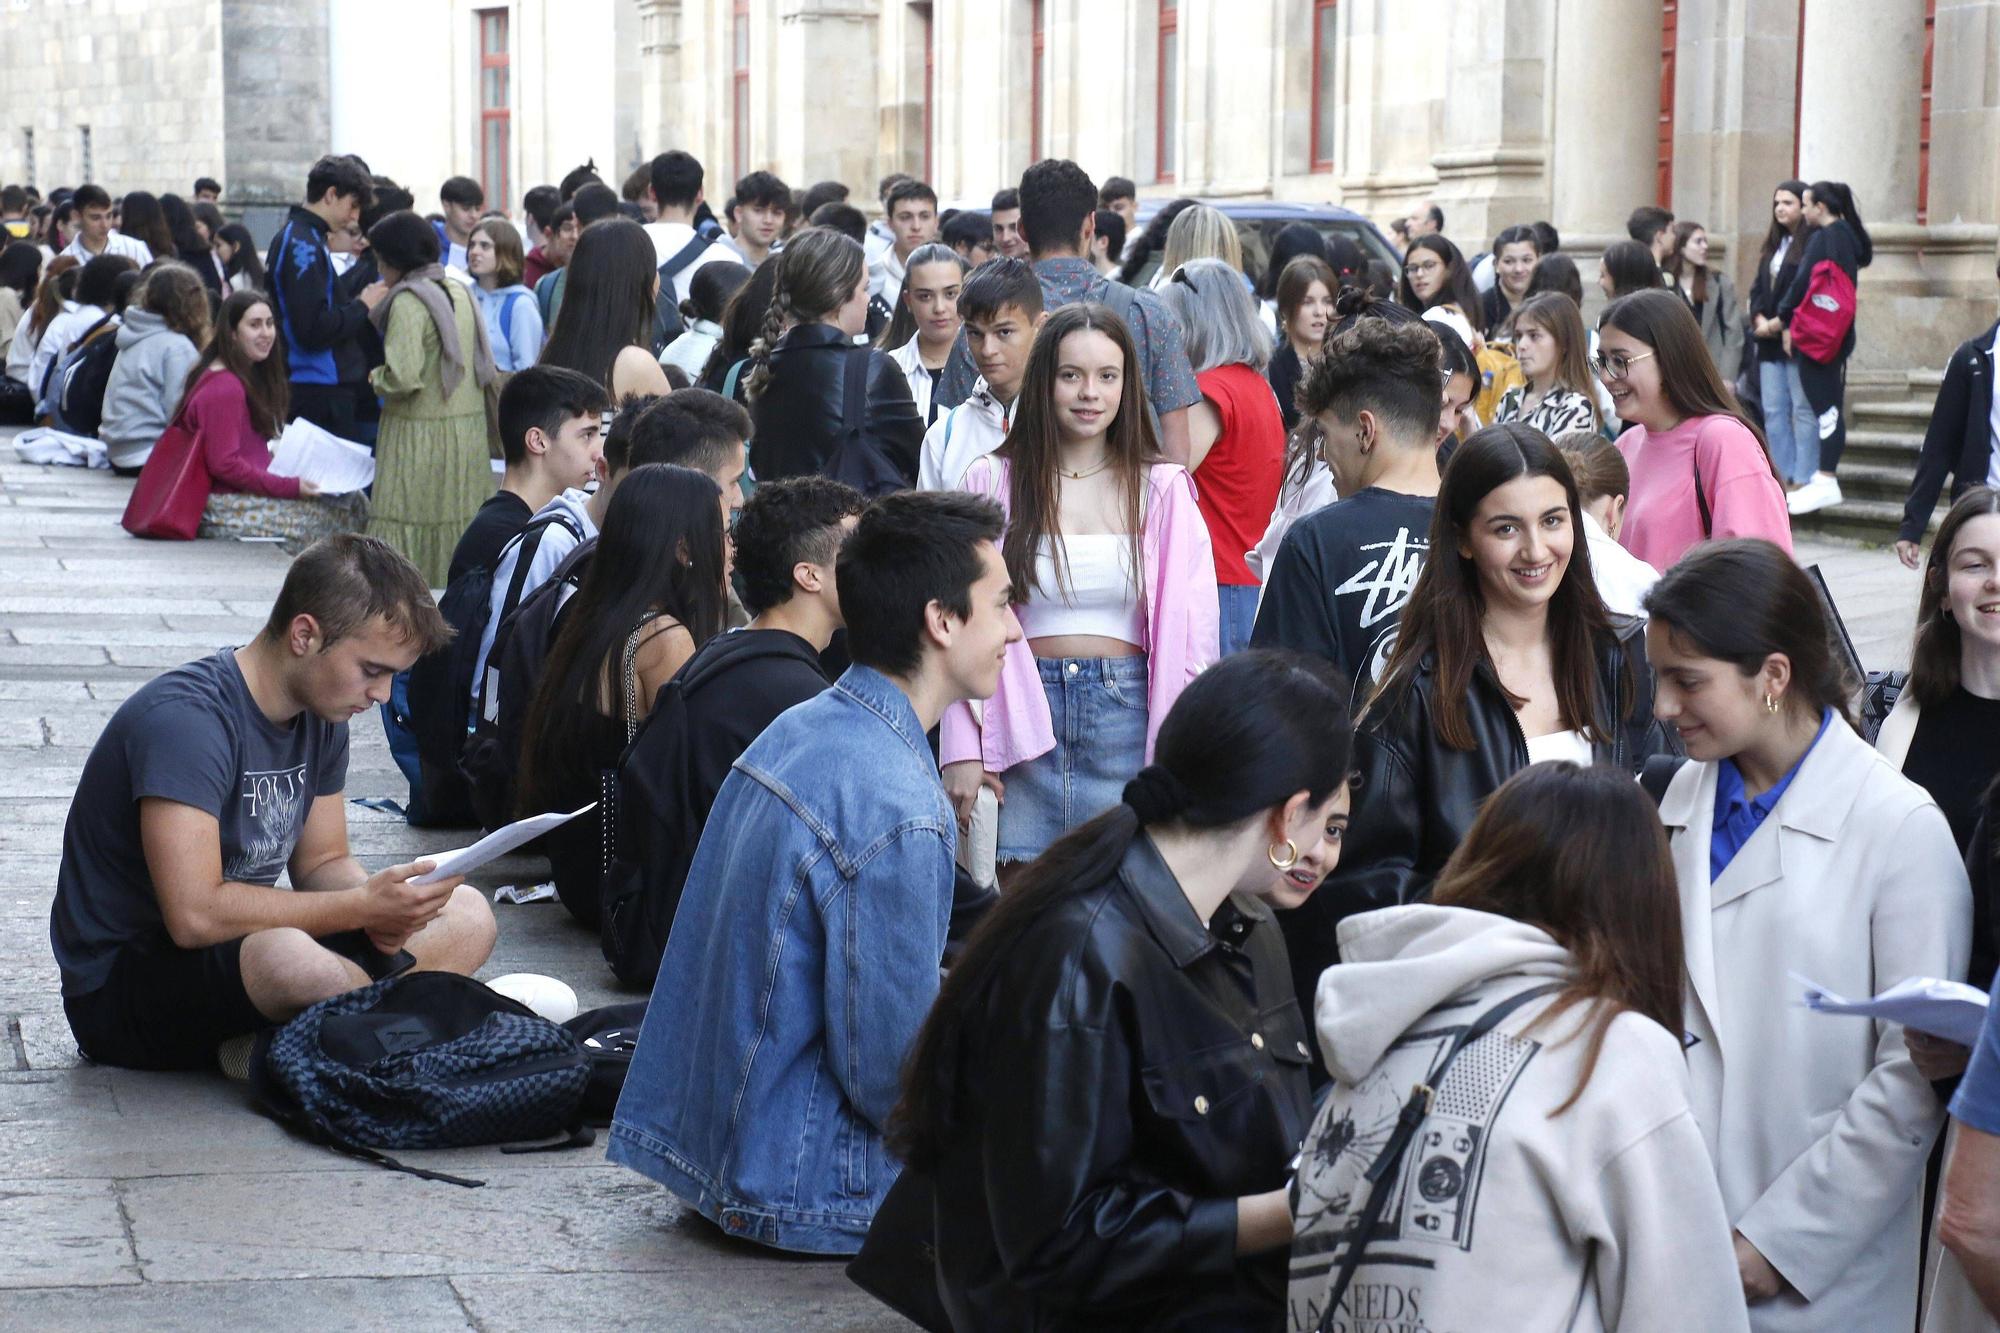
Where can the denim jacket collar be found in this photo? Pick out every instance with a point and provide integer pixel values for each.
(1167, 912)
(884, 698)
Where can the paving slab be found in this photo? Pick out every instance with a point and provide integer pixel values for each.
(426, 1303)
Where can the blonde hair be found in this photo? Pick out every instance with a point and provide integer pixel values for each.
(1201, 232)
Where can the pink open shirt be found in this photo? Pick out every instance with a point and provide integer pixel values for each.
(1181, 621)
(1662, 519)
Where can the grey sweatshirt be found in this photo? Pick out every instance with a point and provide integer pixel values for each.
(144, 391)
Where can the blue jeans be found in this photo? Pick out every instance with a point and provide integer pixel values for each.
(1098, 708)
(1239, 615)
(1789, 421)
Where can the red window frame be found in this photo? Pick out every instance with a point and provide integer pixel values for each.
(1322, 133)
(1037, 54)
(1669, 31)
(495, 148)
(1924, 116)
(739, 83)
(1165, 110)
(928, 17)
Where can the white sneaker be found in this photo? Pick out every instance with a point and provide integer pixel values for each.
(1821, 492)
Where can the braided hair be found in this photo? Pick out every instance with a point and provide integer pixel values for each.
(817, 271)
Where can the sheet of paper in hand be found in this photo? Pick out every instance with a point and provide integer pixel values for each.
(465, 860)
(1948, 1009)
(311, 453)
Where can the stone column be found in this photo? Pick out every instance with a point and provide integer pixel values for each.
(1859, 94)
(822, 93)
(1607, 113)
(1965, 114)
(1492, 157)
(275, 97)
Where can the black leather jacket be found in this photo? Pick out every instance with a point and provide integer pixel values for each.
(1416, 797)
(797, 422)
(1135, 1074)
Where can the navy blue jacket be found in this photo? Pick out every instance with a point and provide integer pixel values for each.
(321, 330)
(1959, 440)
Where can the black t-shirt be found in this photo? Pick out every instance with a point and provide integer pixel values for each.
(195, 736)
(1341, 578)
(1954, 755)
(498, 521)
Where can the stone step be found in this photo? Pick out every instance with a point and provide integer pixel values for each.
(1863, 520)
(1883, 448)
(1873, 481)
(1906, 414)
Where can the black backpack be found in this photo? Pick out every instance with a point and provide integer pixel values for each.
(422, 1060)
(608, 1037)
(863, 464)
(520, 647)
(440, 699)
(82, 376)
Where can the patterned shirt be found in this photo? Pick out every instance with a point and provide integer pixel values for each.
(1156, 336)
(1560, 412)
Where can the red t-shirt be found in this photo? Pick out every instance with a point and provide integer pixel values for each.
(1237, 482)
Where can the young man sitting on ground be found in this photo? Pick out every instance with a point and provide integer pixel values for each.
(550, 423)
(805, 951)
(1001, 306)
(210, 782)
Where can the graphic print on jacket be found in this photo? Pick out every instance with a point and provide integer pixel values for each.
(1435, 1200)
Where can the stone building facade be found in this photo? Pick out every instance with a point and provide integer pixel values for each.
(1503, 111)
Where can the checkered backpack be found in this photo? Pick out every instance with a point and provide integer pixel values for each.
(423, 1060)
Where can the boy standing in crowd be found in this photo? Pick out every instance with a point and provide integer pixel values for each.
(207, 190)
(1006, 215)
(1653, 227)
(1001, 306)
(913, 221)
(219, 776)
(1120, 196)
(462, 200)
(674, 183)
(762, 204)
(94, 234)
(324, 353)
(805, 951)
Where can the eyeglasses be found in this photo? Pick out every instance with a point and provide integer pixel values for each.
(1181, 276)
(1424, 270)
(1615, 366)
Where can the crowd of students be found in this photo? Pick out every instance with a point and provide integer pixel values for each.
(1081, 754)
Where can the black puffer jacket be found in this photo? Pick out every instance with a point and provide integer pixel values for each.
(1134, 1074)
(1416, 797)
(799, 422)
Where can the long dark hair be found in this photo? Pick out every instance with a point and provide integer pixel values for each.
(1459, 289)
(1934, 657)
(266, 383)
(742, 317)
(1688, 376)
(1295, 240)
(1743, 599)
(1775, 234)
(1556, 315)
(1580, 853)
(1631, 267)
(243, 257)
(1033, 449)
(21, 269)
(607, 303)
(1557, 273)
(179, 220)
(1444, 616)
(139, 217)
(1245, 736)
(903, 324)
(1679, 265)
(1836, 196)
(660, 550)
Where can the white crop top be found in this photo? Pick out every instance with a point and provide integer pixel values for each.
(1571, 745)
(1101, 599)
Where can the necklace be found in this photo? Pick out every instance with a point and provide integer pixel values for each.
(1091, 471)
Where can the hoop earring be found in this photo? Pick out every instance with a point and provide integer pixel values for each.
(1770, 703)
(1291, 856)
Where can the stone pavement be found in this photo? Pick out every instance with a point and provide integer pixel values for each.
(134, 1200)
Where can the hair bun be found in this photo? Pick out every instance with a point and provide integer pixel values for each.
(1156, 795)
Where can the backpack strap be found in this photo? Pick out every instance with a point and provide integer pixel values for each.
(854, 394)
(1700, 498)
(684, 256)
(525, 556)
(1382, 1174)
(507, 316)
(729, 380)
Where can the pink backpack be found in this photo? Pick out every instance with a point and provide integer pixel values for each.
(1820, 324)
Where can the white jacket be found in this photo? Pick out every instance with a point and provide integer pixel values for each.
(1622, 579)
(910, 360)
(961, 437)
(1604, 1217)
(1819, 1125)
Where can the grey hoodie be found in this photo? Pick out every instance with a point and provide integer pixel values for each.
(1605, 1217)
(144, 391)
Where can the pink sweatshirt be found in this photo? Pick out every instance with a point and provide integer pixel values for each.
(1181, 629)
(1662, 519)
(238, 456)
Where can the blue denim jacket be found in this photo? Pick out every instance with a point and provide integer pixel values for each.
(803, 959)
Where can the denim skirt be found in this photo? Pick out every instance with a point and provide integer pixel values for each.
(1098, 706)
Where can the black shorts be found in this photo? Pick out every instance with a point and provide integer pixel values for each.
(170, 1009)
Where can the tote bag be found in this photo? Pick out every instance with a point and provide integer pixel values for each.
(173, 488)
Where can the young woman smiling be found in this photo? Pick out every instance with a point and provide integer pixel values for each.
(1799, 852)
(1505, 657)
(1551, 346)
(1699, 469)
(1114, 577)
(1515, 254)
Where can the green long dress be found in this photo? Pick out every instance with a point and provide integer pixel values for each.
(431, 463)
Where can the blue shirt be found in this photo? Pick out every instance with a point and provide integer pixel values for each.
(1737, 817)
(1977, 1101)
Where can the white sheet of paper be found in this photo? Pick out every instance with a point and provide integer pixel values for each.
(1948, 1009)
(314, 454)
(465, 860)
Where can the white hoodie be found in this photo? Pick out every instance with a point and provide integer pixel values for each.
(961, 437)
(1605, 1217)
